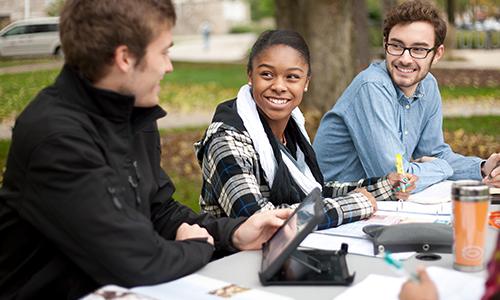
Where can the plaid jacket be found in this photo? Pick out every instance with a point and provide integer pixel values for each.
(234, 183)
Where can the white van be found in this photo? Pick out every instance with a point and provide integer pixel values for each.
(31, 37)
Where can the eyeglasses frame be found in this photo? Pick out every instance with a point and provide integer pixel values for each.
(429, 50)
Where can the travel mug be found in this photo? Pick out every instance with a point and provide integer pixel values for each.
(470, 210)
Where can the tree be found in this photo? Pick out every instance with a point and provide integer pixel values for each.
(54, 8)
(450, 42)
(261, 9)
(335, 32)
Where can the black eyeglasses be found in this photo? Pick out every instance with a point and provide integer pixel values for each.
(415, 52)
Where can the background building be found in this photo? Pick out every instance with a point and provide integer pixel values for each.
(221, 15)
(13, 10)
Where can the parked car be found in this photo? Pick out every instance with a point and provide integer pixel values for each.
(31, 37)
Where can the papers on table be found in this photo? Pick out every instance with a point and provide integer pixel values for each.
(190, 287)
(434, 200)
(382, 217)
(441, 209)
(437, 193)
(450, 285)
(436, 209)
(333, 242)
(359, 246)
(374, 287)
(355, 229)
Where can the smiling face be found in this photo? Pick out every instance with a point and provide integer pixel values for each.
(405, 70)
(278, 78)
(144, 78)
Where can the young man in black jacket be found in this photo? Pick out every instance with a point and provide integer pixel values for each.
(84, 200)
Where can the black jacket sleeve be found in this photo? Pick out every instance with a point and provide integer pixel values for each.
(66, 197)
(168, 215)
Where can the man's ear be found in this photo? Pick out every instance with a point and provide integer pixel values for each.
(439, 53)
(124, 60)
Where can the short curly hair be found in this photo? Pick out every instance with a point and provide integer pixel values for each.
(415, 11)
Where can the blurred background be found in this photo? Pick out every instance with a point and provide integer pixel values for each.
(212, 40)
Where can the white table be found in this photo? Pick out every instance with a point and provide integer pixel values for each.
(242, 269)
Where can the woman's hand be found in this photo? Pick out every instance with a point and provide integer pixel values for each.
(368, 195)
(399, 180)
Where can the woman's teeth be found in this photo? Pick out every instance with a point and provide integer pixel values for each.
(278, 101)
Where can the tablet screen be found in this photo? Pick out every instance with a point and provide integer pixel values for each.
(294, 226)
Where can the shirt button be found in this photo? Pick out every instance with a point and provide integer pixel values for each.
(406, 132)
(407, 106)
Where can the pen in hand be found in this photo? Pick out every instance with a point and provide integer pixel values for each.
(398, 266)
(400, 170)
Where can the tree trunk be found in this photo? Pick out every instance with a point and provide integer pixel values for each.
(361, 35)
(387, 5)
(450, 41)
(328, 26)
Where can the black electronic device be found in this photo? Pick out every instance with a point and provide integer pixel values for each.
(284, 264)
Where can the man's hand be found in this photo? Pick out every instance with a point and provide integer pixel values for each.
(491, 170)
(259, 228)
(186, 232)
(424, 289)
(368, 195)
(407, 179)
(424, 159)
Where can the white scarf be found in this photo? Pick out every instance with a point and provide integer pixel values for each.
(247, 110)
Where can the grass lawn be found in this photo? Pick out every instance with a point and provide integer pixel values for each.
(469, 93)
(187, 191)
(193, 86)
(9, 62)
(201, 86)
(17, 90)
(486, 125)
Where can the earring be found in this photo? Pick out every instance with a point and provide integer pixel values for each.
(305, 89)
(249, 83)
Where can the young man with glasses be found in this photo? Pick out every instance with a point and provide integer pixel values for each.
(394, 106)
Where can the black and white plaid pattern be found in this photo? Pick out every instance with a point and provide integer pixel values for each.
(234, 184)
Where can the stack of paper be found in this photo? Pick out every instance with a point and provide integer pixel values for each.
(437, 193)
(441, 209)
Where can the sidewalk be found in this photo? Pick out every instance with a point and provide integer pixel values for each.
(222, 48)
(472, 59)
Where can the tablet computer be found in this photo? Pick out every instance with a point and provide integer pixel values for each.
(289, 236)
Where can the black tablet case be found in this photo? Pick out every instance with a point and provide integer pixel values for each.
(306, 267)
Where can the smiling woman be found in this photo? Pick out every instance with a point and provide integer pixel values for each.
(257, 156)
(278, 84)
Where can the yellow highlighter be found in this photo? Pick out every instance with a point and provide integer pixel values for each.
(400, 170)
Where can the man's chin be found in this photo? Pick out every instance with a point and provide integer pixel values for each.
(147, 103)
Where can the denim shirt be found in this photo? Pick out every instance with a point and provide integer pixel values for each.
(373, 121)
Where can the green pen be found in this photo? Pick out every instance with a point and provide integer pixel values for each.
(399, 267)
